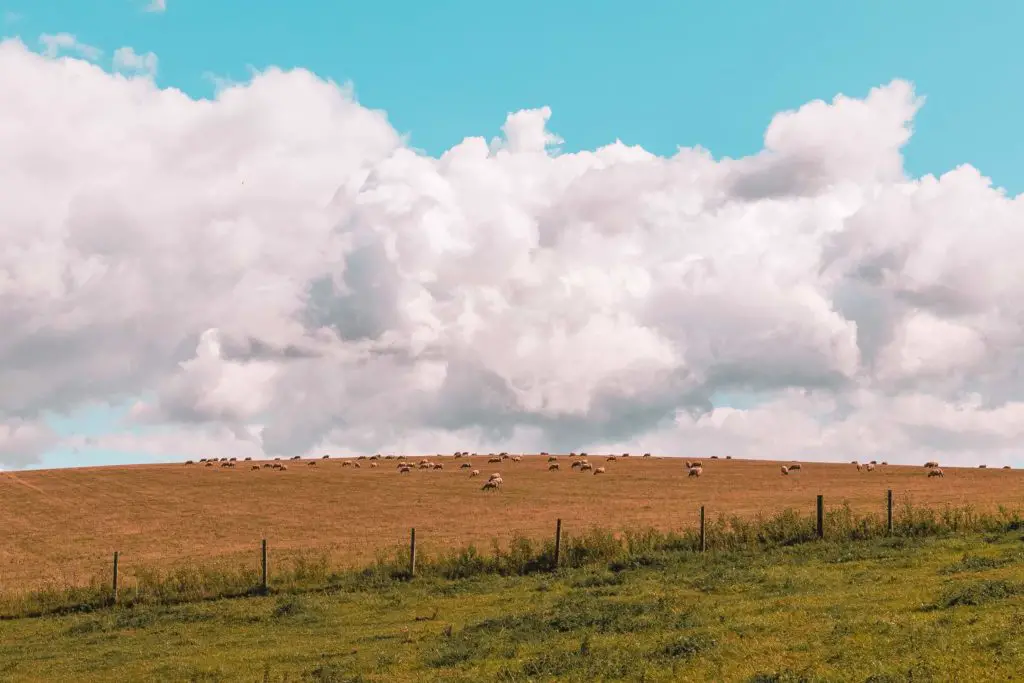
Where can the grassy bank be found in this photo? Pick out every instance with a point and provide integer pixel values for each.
(882, 609)
(941, 599)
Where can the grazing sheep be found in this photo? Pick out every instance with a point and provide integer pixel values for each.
(728, 457)
(188, 462)
(858, 466)
(599, 470)
(361, 457)
(284, 468)
(982, 466)
(311, 463)
(931, 464)
(610, 458)
(209, 464)
(356, 465)
(232, 459)
(325, 457)
(255, 468)
(296, 457)
(552, 458)
(854, 462)
(544, 453)
(785, 470)
(438, 466)
(647, 455)
(490, 486)
(870, 467)
(267, 465)
(475, 473)
(586, 466)
(494, 475)
(795, 466)
(695, 471)
(714, 457)
(277, 458)
(404, 469)
(504, 456)
(874, 462)
(348, 463)
(465, 466)
(573, 454)
(625, 455)
(935, 472)
(576, 463)
(424, 466)
(695, 463)
(517, 458)
(458, 454)
(494, 459)
(248, 457)
(583, 455)
(202, 459)
(552, 467)
(375, 456)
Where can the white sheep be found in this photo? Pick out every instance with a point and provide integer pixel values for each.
(599, 470)
(785, 470)
(553, 466)
(491, 485)
(935, 472)
(475, 473)
(695, 471)
(870, 467)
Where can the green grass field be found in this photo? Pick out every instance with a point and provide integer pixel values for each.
(923, 605)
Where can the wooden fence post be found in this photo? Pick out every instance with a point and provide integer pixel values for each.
(821, 516)
(888, 512)
(558, 540)
(412, 552)
(114, 583)
(703, 537)
(263, 565)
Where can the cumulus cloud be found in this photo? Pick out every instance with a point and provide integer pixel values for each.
(283, 273)
(55, 44)
(127, 60)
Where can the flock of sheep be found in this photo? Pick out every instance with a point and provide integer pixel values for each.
(694, 468)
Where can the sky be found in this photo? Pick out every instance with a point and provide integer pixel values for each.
(349, 227)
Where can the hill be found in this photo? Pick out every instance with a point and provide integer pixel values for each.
(61, 526)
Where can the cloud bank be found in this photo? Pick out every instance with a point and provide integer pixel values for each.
(278, 271)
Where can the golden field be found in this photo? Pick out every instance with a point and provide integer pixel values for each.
(61, 526)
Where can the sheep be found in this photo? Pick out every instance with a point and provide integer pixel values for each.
(490, 486)
(625, 455)
(248, 457)
(373, 464)
(474, 473)
(494, 475)
(552, 458)
(517, 458)
(870, 467)
(795, 466)
(714, 457)
(552, 467)
(586, 466)
(465, 466)
(728, 457)
(361, 457)
(346, 463)
(283, 468)
(232, 459)
(610, 458)
(188, 462)
(404, 469)
(647, 455)
(695, 471)
(438, 466)
(424, 466)
(599, 470)
(311, 463)
(982, 466)
(202, 459)
(209, 464)
(255, 468)
(573, 454)
(267, 465)
(935, 472)
(296, 457)
(931, 464)
(504, 456)
(1006, 467)
(543, 452)
(576, 463)
(854, 462)
(458, 454)
(874, 462)
(583, 454)
(277, 458)
(858, 466)
(495, 459)
(375, 456)
(695, 463)
(785, 470)
(325, 457)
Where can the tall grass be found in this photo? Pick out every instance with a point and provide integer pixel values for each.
(521, 556)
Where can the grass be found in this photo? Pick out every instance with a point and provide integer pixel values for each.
(61, 527)
(912, 607)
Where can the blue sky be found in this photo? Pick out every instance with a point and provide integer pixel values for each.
(659, 73)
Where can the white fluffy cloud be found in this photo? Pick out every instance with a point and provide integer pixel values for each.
(279, 270)
(55, 44)
(128, 61)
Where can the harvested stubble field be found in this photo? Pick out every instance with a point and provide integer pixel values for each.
(61, 526)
